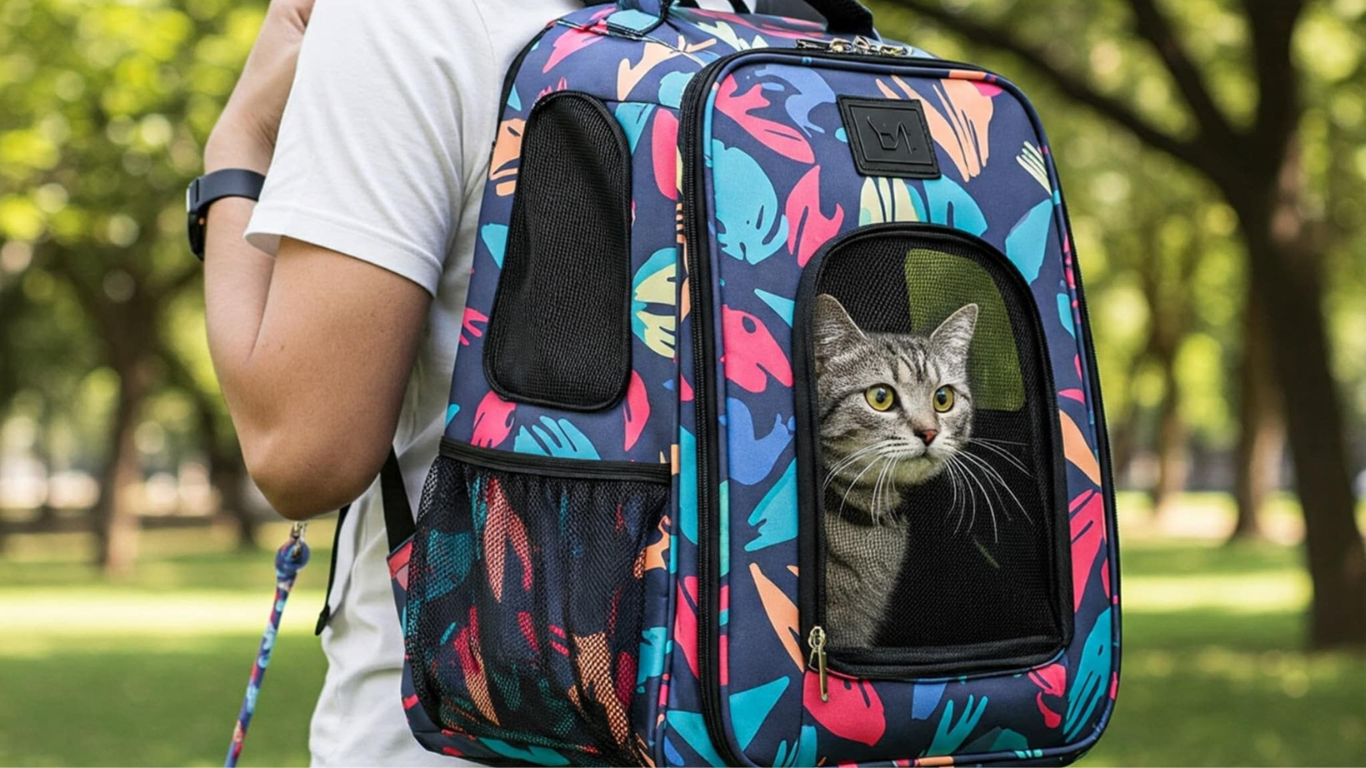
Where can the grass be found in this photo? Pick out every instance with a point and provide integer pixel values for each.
(150, 671)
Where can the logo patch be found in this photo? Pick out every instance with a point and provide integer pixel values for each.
(889, 137)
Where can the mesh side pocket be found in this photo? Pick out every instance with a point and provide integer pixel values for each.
(524, 607)
(559, 333)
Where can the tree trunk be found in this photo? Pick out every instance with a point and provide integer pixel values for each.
(116, 522)
(1261, 438)
(227, 474)
(1285, 271)
(1172, 461)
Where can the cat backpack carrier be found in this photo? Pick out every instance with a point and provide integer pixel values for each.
(775, 435)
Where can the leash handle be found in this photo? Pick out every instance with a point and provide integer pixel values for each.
(289, 560)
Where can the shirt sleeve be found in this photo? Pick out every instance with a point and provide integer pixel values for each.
(371, 155)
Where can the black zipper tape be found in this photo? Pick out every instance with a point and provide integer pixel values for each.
(551, 466)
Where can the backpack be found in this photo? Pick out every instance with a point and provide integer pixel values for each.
(721, 257)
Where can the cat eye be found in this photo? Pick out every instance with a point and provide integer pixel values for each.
(943, 399)
(880, 397)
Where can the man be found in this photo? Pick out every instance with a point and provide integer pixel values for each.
(333, 325)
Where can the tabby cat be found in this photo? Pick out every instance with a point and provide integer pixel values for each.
(894, 411)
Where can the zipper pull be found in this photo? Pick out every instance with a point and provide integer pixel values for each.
(833, 45)
(817, 642)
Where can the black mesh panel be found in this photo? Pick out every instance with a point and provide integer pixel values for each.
(559, 334)
(523, 620)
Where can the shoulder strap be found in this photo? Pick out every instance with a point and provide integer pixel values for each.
(398, 513)
(398, 526)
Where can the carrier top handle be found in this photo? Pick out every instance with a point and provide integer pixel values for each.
(842, 17)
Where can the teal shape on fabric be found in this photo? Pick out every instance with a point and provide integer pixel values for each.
(1029, 754)
(951, 205)
(455, 568)
(749, 709)
(925, 699)
(633, 116)
(950, 735)
(532, 755)
(691, 728)
(687, 485)
(842, 135)
(1092, 679)
(555, 437)
(723, 496)
(1065, 314)
(633, 20)
(750, 225)
(803, 754)
(495, 237)
(1009, 740)
(775, 516)
(654, 648)
(451, 410)
(997, 740)
(1028, 240)
(782, 306)
(445, 636)
(514, 101)
(671, 88)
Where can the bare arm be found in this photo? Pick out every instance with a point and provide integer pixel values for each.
(312, 347)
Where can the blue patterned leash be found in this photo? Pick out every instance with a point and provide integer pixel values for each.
(291, 557)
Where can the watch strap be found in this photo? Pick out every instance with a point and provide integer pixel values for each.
(205, 190)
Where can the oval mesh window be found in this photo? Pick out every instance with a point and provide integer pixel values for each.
(930, 422)
(559, 333)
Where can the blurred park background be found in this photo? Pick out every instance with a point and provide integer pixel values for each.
(1214, 157)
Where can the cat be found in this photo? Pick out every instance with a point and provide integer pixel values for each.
(894, 411)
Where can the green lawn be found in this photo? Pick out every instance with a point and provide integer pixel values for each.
(150, 672)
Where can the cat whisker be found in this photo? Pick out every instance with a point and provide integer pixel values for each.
(850, 459)
(986, 498)
(844, 499)
(994, 475)
(1009, 457)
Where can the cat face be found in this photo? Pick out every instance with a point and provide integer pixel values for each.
(893, 407)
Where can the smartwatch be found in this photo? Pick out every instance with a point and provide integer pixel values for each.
(203, 191)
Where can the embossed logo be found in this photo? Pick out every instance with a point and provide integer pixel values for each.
(889, 137)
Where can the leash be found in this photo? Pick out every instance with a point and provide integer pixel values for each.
(291, 557)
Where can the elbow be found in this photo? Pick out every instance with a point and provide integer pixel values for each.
(303, 472)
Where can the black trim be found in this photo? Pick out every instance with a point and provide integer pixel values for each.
(704, 355)
(511, 322)
(903, 663)
(325, 614)
(569, 469)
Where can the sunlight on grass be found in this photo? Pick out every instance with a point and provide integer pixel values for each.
(154, 668)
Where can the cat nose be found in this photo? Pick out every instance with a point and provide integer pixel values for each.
(926, 435)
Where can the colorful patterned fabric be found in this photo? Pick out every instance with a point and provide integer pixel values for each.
(693, 652)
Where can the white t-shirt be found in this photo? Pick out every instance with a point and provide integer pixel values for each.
(382, 155)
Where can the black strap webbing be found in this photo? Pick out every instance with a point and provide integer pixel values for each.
(398, 526)
(326, 612)
(398, 513)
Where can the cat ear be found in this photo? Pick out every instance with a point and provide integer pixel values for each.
(954, 335)
(831, 327)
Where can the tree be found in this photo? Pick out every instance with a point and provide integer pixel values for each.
(1256, 163)
(99, 133)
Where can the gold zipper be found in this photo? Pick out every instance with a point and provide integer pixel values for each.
(817, 642)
